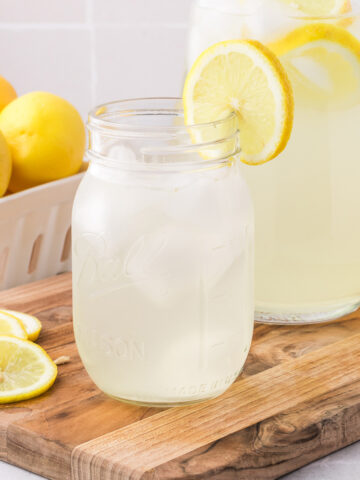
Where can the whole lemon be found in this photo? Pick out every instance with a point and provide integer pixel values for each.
(46, 136)
(7, 92)
(5, 165)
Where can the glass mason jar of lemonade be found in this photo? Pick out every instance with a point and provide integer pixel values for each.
(162, 255)
(307, 201)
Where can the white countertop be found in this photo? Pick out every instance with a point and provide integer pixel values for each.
(344, 465)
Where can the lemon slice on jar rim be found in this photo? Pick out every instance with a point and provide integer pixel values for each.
(245, 77)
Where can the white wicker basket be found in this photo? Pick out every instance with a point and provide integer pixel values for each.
(35, 234)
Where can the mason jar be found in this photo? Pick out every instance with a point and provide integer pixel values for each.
(162, 255)
(307, 201)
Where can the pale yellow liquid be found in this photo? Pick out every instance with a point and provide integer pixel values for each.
(163, 282)
(308, 206)
(307, 201)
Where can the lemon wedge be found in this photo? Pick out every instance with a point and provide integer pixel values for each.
(9, 325)
(26, 371)
(31, 324)
(245, 77)
(320, 7)
(323, 63)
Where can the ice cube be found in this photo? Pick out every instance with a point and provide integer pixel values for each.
(173, 261)
(120, 151)
(211, 201)
(213, 25)
(312, 70)
(165, 263)
(263, 20)
(272, 21)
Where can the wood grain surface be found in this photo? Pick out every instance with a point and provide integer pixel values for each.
(297, 400)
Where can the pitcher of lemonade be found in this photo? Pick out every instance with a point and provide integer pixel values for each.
(307, 201)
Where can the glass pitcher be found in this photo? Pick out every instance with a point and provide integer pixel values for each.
(307, 201)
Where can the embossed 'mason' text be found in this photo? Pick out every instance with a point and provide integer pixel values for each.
(117, 347)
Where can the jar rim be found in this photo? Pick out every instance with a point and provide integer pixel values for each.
(154, 128)
(99, 116)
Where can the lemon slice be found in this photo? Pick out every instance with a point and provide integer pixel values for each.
(245, 77)
(26, 371)
(320, 7)
(323, 63)
(9, 325)
(31, 324)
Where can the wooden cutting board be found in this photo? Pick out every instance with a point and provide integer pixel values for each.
(297, 400)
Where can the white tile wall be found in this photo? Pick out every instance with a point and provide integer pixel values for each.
(139, 62)
(144, 11)
(43, 11)
(55, 60)
(90, 51)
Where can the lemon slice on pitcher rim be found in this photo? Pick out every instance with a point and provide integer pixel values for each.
(245, 77)
(319, 7)
(31, 324)
(26, 370)
(10, 325)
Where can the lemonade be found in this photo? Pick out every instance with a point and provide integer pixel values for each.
(162, 257)
(307, 203)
